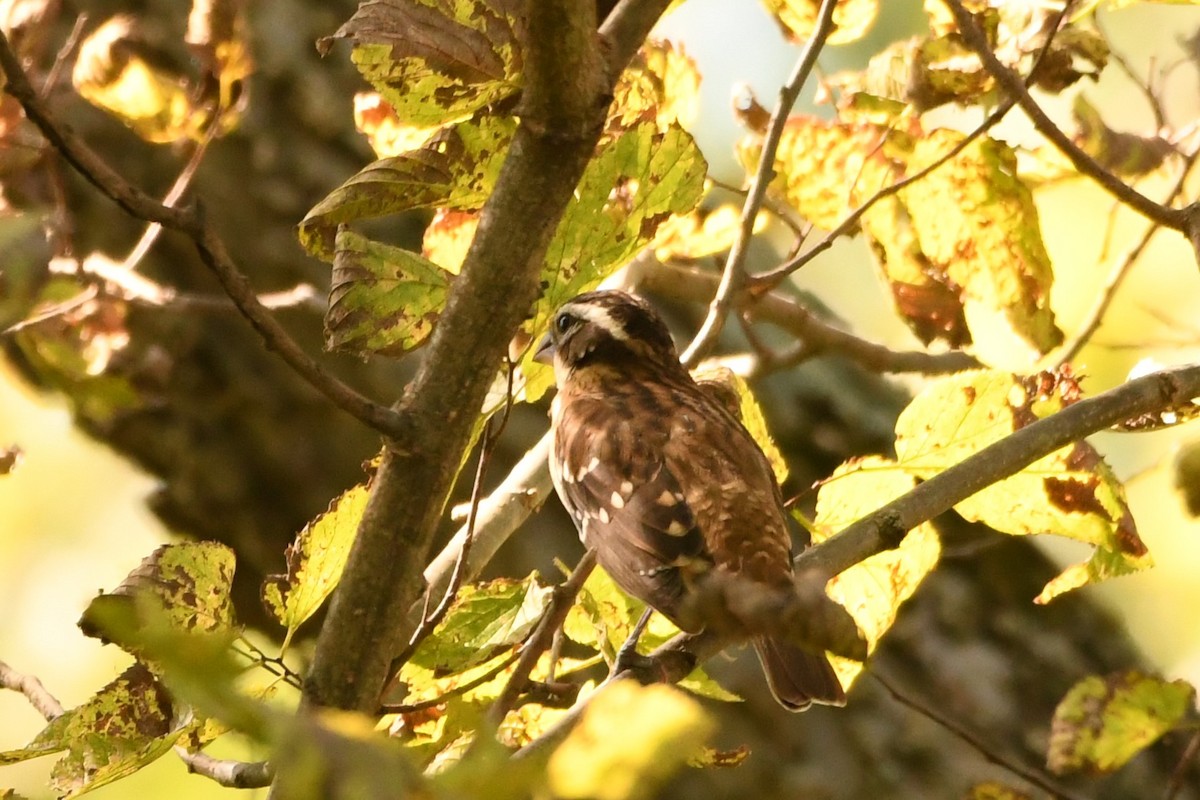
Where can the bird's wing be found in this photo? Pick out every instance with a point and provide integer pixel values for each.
(630, 506)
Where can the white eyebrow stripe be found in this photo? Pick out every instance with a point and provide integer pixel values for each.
(600, 317)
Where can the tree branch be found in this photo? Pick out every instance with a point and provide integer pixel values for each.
(734, 273)
(1177, 219)
(885, 527)
(1029, 775)
(191, 223)
(539, 640)
(697, 286)
(45, 703)
(227, 773)
(1119, 271)
(563, 104)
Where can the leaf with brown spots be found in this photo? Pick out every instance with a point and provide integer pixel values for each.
(798, 18)
(637, 181)
(382, 299)
(1104, 721)
(122, 728)
(1071, 492)
(436, 61)
(189, 583)
(457, 168)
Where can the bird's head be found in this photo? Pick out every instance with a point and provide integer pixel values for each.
(606, 328)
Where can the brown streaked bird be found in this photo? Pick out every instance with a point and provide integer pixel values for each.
(662, 480)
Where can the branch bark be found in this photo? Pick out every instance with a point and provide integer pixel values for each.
(562, 113)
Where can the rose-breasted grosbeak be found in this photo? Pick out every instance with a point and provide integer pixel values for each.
(663, 480)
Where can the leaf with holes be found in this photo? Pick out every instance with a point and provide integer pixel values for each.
(1103, 722)
(873, 590)
(1070, 492)
(315, 562)
(660, 85)
(383, 299)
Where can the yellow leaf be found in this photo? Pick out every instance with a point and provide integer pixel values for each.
(873, 590)
(1071, 492)
(630, 739)
(1103, 722)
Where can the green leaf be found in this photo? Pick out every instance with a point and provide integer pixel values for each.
(315, 562)
(1071, 492)
(635, 183)
(455, 169)
(976, 224)
(798, 18)
(436, 61)
(383, 299)
(189, 583)
(630, 739)
(1103, 722)
(483, 618)
(873, 590)
(122, 728)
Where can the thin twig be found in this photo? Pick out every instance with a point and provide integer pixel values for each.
(45, 703)
(1180, 771)
(429, 621)
(733, 274)
(209, 246)
(539, 640)
(1029, 775)
(173, 196)
(273, 664)
(974, 38)
(63, 56)
(227, 773)
(1119, 271)
(781, 211)
(692, 285)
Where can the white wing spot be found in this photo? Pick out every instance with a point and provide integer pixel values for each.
(676, 528)
(668, 498)
(584, 470)
(617, 500)
(603, 516)
(627, 488)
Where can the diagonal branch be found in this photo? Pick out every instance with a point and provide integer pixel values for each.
(209, 246)
(45, 703)
(734, 273)
(1174, 218)
(1029, 775)
(885, 527)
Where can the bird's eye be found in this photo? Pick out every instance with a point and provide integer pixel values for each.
(563, 322)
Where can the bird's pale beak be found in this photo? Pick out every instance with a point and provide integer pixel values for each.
(545, 351)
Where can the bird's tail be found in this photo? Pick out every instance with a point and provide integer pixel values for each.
(797, 677)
